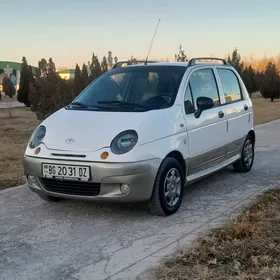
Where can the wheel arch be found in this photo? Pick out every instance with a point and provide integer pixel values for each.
(253, 135)
(179, 157)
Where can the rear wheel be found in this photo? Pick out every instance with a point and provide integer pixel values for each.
(245, 163)
(168, 188)
(50, 198)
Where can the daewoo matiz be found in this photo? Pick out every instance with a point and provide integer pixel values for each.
(143, 132)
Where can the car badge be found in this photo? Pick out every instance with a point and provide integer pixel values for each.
(70, 141)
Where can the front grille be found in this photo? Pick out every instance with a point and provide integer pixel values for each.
(71, 187)
(68, 155)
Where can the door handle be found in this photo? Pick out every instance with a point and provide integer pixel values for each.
(221, 114)
(246, 107)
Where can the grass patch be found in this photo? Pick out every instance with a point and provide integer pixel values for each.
(264, 109)
(247, 248)
(17, 125)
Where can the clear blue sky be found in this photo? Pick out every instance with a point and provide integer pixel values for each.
(69, 30)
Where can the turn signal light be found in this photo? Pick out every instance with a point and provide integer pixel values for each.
(104, 155)
(37, 151)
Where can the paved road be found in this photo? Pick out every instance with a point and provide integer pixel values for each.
(5, 105)
(76, 240)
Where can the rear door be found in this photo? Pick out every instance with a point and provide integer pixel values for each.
(237, 108)
(206, 134)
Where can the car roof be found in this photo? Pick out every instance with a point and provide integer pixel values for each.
(179, 64)
(185, 64)
(191, 63)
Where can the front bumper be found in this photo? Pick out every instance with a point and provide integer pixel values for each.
(140, 177)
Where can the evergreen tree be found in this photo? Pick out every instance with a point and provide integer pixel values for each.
(30, 74)
(24, 83)
(64, 93)
(51, 66)
(44, 90)
(78, 83)
(37, 72)
(43, 67)
(249, 79)
(110, 59)
(31, 81)
(104, 65)
(259, 78)
(52, 75)
(181, 56)
(85, 77)
(270, 86)
(95, 67)
(8, 87)
(235, 61)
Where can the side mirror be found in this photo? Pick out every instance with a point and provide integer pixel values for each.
(203, 103)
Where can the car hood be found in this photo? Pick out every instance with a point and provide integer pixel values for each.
(94, 130)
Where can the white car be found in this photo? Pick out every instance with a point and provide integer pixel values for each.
(143, 132)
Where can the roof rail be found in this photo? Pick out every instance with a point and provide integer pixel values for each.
(129, 62)
(194, 60)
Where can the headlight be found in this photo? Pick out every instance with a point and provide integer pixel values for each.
(124, 142)
(37, 137)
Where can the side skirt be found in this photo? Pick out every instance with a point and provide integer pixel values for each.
(200, 175)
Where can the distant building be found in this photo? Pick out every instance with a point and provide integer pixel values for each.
(66, 74)
(12, 70)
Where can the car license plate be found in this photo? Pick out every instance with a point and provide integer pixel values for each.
(66, 171)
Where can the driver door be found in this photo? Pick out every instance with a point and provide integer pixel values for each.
(207, 133)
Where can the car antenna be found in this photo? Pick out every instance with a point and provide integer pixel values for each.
(146, 61)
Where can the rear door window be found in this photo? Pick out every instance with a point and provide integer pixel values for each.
(231, 86)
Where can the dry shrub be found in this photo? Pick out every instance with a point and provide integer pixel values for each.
(248, 247)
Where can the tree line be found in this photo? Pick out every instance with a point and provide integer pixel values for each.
(45, 91)
(267, 81)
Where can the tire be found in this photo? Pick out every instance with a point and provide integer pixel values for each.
(160, 203)
(245, 163)
(50, 198)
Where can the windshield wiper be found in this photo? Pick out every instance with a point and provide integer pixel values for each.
(119, 102)
(80, 104)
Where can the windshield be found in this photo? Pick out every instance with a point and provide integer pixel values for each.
(132, 89)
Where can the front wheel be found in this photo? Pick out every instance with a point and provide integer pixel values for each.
(245, 163)
(168, 188)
